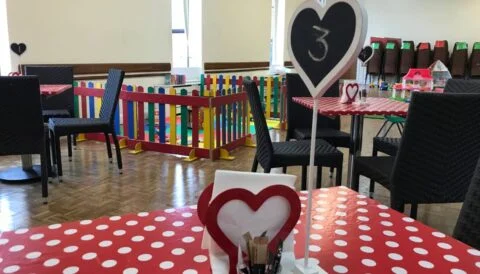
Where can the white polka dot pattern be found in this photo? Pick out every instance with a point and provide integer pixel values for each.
(350, 234)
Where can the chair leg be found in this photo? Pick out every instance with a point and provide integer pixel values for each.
(388, 130)
(381, 128)
(355, 180)
(319, 176)
(399, 129)
(267, 170)
(109, 147)
(69, 143)
(338, 177)
(255, 164)
(413, 211)
(117, 149)
(372, 182)
(304, 177)
(284, 170)
(48, 155)
(74, 136)
(44, 162)
(53, 148)
(59, 157)
(331, 172)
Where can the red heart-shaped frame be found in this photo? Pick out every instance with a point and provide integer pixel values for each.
(254, 202)
(355, 86)
(203, 201)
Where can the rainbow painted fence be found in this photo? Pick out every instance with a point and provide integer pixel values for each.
(205, 123)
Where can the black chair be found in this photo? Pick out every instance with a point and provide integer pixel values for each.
(390, 146)
(328, 128)
(468, 223)
(22, 130)
(59, 105)
(437, 154)
(281, 154)
(68, 126)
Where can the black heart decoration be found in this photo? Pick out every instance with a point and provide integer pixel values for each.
(19, 49)
(325, 40)
(366, 54)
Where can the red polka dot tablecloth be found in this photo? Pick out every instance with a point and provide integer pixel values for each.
(350, 234)
(331, 106)
(53, 89)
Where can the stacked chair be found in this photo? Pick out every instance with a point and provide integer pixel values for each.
(391, 59)
(475, 61)
(424, 55)
(459, 60)
(440, 52)
(437, 153)
(22, 130)
(60, 105)
(407, 57)
(282, 154)
(374, 66)
(328, 128)
(68, 126)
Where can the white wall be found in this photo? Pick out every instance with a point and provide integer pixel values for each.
(425, 20)
(91, 31)
(290, 7)
(236, 31)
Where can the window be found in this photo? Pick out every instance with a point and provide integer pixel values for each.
(5, 60)
(277, 41)
(186, 33)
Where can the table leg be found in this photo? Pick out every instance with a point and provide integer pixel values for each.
(352, 150)
(26, 173)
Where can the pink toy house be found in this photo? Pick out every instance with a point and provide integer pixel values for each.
(418, 80)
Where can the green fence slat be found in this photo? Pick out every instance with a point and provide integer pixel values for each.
(202, 84)
(275, 97)
(184, 121)
(151, 118)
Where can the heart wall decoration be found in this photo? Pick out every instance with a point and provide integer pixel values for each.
(19, 49)
(324, 40)
(365, 55)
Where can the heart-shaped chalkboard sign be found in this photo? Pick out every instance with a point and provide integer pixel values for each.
(19, 49)
(324, 40)
(366, 54)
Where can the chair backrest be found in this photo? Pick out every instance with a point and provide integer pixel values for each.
(21, 123)
(459, 60)
(55, 75)
(424, 55)
(439, 149)
(112, 92)
(407, 57)
(468, 223)
(462, 86)
(297, 88)
(264, 143)
(440, 52)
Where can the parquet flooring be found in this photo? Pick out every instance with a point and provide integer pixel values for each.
(92, 187)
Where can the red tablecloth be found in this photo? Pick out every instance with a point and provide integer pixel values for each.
(53, 89)
(351, 233)
(331, 106)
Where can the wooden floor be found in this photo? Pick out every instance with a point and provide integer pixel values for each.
(93, 187)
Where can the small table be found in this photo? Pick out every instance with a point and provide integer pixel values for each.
(350, 233)
(29, 172)
(53, 89)
(331, 106)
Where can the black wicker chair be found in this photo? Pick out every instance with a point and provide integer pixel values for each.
(22, 130)
(328, 128)
(59, 105)
(68, 126)
(437, 154)
(390, 145)
(281, 154)
(468, 223)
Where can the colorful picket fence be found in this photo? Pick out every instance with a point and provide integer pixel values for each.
(179, 128)
(272, 91)
(204, 123)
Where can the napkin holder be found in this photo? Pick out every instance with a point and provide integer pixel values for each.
(240, 202)
(350, 92)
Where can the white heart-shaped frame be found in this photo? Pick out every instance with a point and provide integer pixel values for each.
(349, 57)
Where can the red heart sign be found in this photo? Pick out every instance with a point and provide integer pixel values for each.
(353, 90)
(254, 202)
